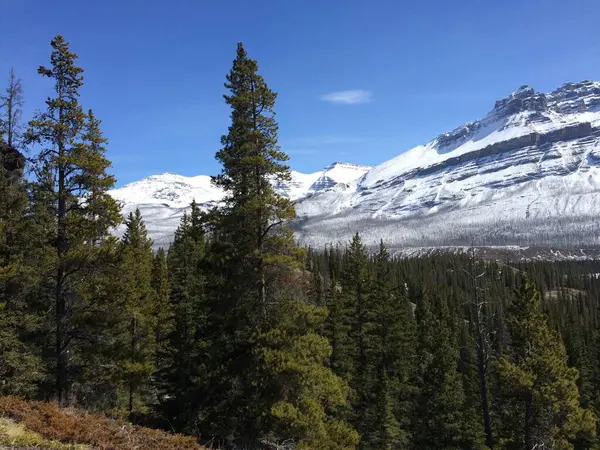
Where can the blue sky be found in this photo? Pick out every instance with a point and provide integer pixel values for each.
(154, 70)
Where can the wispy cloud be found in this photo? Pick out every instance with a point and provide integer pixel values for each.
(351, 97)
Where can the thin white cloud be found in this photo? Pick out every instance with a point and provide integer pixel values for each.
(351, 97)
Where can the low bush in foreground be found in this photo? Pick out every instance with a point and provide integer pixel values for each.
(14, 436)
(69, 429)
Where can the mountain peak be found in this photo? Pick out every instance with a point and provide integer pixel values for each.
(525, 108)
(523, 99)
(523, 92)
(345, 165)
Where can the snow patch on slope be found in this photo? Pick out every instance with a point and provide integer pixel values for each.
(163, 199)
(170, 190)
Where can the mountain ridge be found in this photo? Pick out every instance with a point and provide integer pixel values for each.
(534, 156)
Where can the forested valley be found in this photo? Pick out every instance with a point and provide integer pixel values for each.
(239, 337)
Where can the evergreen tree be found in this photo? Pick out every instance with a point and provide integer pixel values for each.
(317, 289)
(93, 182)
(337, 328)
(265, 349)
(356, 284)
(20, 368)
(182, 372)
(72, 206)
(541, 399)
(347, 328)
(590, 385)
(163, 315)
(392, 360)
(137, 330)
(442, 419)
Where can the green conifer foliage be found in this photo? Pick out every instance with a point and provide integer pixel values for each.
(137, 330)
(182, 371)
(265, 349)
(338, 326)
(442, 416)
(356, 283)
(541, 399)
(72, 206)
(163, 315)
(20, 365)
(392, 360)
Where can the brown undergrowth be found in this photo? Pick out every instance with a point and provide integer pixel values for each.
(76, 429)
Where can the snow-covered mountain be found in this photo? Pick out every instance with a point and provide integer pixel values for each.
(528, 172)
(162, 199)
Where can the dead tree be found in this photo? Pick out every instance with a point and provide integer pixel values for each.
(12, 109)
(478, 311)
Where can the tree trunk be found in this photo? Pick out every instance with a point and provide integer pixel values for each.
(529, 444)
(61, 247)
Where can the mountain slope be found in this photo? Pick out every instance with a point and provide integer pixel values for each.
(531, 165)
(162, 199)
(527, 173)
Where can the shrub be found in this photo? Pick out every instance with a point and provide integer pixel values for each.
(75, 427)
(15, 436)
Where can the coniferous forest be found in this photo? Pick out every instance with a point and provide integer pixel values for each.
(243, 339)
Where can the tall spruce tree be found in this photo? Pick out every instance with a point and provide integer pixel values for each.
(356, 283)
(163, 315)
(541, 407)
(137, 330)
(183, 369)
(392, 361)
(71, 205)
(269, 374)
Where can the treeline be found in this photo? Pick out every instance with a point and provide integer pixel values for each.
(454, 229)
(239, 337)
(454, 352)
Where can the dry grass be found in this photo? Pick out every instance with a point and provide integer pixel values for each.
(78, 430)
(15, 436)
